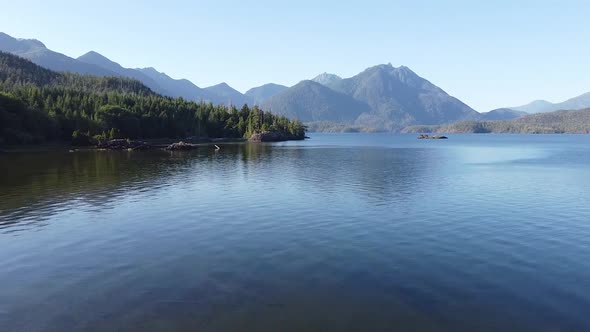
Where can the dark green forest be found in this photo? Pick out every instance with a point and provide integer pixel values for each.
(38, 105)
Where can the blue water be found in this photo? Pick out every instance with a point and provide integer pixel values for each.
(342, 232)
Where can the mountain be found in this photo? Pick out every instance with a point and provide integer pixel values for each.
(261, 93)
(398, 97)
(537, 106)
(381, 97)
(310, 101)
(502, 114)
(542, 106)
(17, 73)
(157, 81)
(99, 60)
(579, 102)
(558, 122)
(38, 104)
(180, 87)
(93, 63)
(327, 79)
(36, 51)
(229, 95)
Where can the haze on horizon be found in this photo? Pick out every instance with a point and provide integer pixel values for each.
(489, 55)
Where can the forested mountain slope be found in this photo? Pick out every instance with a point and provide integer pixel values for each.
(37, 104)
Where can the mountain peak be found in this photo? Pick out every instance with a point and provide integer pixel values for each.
(326, 78)
(536, 106)
(228, 94)
(93, 55)
(222, 85)
(385, 66)
(11, 44)
(33, 42)
(388, 67)
(269, 85)
(262, 93)
(100, 60)
(223, 89)
(151, 70)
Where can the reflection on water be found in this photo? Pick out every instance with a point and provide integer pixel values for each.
(341, 232)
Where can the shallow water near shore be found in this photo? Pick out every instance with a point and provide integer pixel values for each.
(341, 232)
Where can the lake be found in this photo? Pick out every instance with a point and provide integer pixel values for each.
(341, 232)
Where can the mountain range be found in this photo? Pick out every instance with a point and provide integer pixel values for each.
(310, 101)
(36, 51)
(93, 63)
(382, 97)
(39, 105)
(543, 106)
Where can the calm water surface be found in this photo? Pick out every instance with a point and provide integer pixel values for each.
(342, 232)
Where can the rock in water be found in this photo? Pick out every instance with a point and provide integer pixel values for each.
(181, 146)
(124, 144)
(422, 136)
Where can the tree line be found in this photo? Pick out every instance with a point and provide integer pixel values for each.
(37, 104)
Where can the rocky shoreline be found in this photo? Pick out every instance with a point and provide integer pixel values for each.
(189, 144)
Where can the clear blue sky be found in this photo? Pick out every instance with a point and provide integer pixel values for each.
(487, 53)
